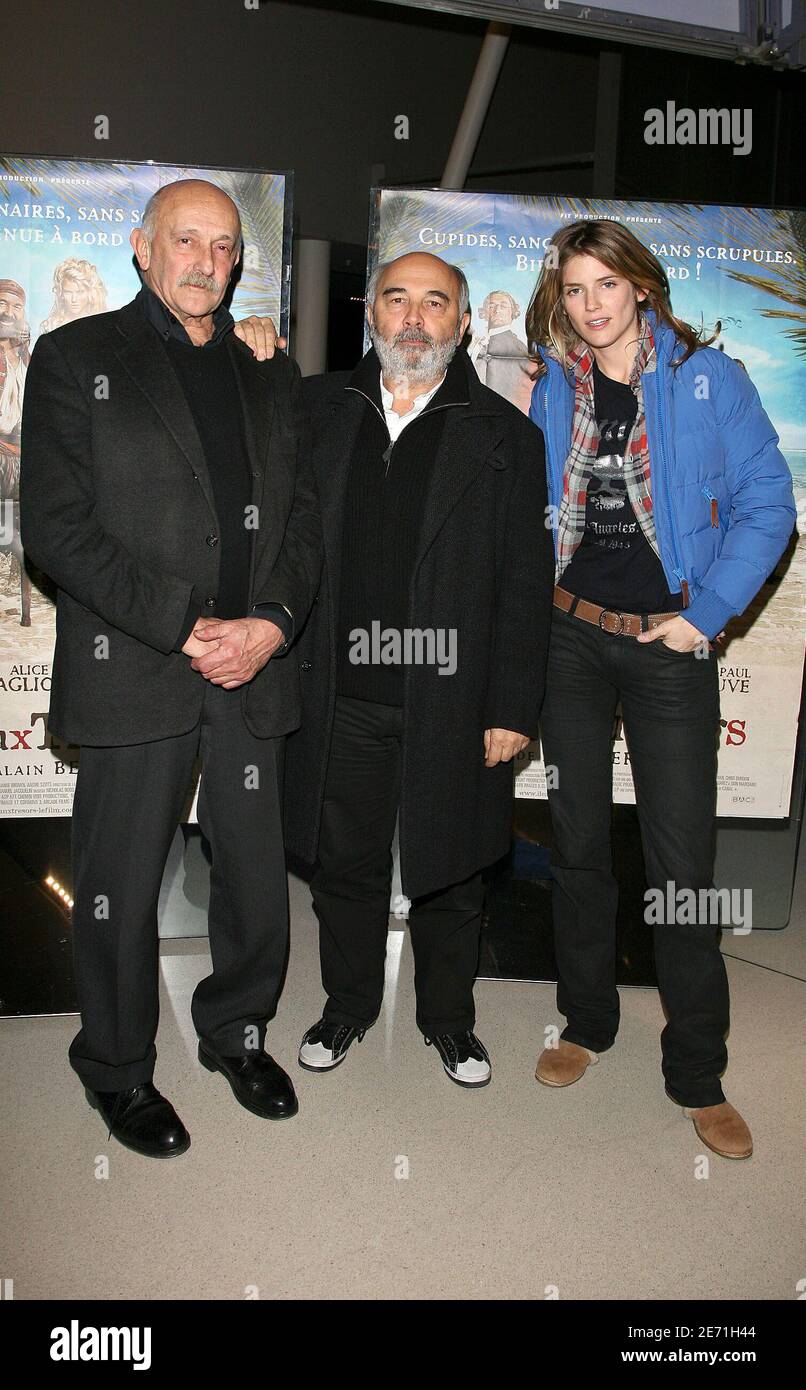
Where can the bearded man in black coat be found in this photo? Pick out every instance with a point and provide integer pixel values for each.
(422, 664)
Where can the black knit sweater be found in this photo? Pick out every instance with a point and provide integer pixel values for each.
(385, 495)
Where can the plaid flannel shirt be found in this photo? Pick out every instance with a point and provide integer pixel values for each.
(585, 444)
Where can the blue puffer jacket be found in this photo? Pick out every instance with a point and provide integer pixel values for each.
(710, 441)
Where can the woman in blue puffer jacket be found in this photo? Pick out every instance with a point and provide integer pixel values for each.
(670, 504)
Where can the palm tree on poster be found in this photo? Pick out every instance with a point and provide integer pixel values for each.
(785, 232)
(260, 200)
(36, 177)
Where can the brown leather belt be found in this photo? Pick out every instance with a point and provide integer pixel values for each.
(608, 619)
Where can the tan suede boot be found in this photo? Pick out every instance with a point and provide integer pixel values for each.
(722, 1129)
(563, 1064)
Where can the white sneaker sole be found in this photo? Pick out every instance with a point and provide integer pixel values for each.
(321, 1066)
(468, 1085)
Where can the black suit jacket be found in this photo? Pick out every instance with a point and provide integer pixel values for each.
(116, 507)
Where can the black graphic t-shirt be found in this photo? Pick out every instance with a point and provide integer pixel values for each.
(614, 564)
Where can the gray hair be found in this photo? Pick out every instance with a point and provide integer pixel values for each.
(151, 211)
(461, 280)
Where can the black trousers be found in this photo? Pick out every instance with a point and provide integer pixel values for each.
(670, 706)
(352, 884)
(127, 806)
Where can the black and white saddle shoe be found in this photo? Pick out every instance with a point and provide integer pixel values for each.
(325, 1045)
(464, 1058)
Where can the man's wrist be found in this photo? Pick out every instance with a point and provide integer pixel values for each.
(278, 614)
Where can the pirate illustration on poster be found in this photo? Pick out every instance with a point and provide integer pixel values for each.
(15, 337)
(499, 356)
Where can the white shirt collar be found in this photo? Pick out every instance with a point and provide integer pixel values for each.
(394, 422)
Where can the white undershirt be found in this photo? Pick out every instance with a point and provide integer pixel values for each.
(394, 422)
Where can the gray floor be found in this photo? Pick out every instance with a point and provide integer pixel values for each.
(393, 1183)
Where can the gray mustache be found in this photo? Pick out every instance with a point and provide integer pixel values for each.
(199, 282)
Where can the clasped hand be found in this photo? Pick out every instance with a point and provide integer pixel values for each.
(230, 652)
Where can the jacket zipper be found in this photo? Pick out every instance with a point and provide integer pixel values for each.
(429, 410)
(678, 571)
(706, 492)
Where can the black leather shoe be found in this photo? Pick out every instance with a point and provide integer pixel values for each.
(142, 1119)
(257, 1082)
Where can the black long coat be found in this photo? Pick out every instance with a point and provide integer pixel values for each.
(118, 509)
(484, 566)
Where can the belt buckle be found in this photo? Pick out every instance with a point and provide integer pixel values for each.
(614, 612)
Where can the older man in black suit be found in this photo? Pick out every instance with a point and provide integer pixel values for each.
(165, 491)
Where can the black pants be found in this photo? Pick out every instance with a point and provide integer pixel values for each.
(352, 884)
(670, 706)
(127, 806)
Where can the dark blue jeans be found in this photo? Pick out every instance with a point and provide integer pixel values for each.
(670, 707)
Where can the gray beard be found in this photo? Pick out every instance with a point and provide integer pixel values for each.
(396, 364)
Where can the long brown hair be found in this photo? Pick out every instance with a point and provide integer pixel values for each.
(547, 321)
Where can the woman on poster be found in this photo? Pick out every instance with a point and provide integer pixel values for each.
(670, 504)
(78, 290)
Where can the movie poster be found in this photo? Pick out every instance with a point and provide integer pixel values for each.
(743, 267)
(65, 254)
